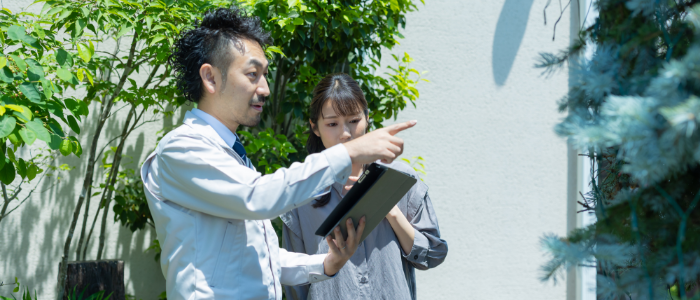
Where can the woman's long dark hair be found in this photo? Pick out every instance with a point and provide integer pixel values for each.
(348, 100)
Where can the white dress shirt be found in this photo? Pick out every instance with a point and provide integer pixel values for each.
(212, 213)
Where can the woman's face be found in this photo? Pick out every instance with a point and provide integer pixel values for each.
(334, 129)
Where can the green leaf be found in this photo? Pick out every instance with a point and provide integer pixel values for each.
(73, 124)
(22, 168)
(89, 76)
(6, 75)
(56, 128)
(124, 30)
(27, 135)
(84, 53)
(25, 113)
(64, 59)
(55, 142)
(54, 11)
(30, 91)
(14, 139)
(21, 64)
(80, 74)
(46, 85)
(77, 148)
(270, 49)
(16, 32)
(35, 71)
(157, 38)
(3, 62)
(75, 107)
(39, 31)
(32, 170)
(38, 128)
(7, 175)
(83, 108)
(66, 147)
(7, 125)
(66, 76)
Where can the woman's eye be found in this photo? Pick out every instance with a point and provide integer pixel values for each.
(331, 124)
(355, 121)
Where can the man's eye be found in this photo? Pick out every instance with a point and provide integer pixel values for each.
(253, 74)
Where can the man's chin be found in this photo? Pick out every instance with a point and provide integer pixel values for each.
(252, 122)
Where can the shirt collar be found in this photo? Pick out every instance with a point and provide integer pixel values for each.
(229, 137)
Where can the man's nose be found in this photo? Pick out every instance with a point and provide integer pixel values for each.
(263, 88)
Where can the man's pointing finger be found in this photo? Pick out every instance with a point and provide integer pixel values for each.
(396, 128)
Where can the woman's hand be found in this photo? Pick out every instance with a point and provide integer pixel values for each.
(341, 250)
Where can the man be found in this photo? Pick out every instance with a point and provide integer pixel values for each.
(210, 207)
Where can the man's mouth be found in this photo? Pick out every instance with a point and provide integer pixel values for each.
(257, 106)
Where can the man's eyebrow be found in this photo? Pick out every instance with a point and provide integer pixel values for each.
(256, 63)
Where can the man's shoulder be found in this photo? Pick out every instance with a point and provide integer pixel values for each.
(183, 134)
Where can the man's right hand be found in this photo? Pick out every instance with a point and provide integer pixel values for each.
(379, 144)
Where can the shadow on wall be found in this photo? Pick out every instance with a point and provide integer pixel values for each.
(510, 31)
(43, 222)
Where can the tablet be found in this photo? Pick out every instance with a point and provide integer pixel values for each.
(374, 194)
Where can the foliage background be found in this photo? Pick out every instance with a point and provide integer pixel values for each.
(632, 107)
(497, 173)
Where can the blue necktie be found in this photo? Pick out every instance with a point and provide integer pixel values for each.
(240, 150)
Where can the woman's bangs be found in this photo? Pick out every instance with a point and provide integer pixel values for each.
(346, 104)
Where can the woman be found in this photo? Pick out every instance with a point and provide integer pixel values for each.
(383, 266)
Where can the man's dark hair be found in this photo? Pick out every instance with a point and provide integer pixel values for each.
(211, 42)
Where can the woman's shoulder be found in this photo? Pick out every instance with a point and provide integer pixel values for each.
(402, 166)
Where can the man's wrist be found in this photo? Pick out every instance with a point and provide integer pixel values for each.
(330, 267)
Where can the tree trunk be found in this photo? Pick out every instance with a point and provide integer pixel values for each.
(90, 169)
(90, 277)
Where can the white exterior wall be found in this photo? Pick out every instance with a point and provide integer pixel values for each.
(497, 172)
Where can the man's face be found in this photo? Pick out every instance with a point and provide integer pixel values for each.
(239, 100)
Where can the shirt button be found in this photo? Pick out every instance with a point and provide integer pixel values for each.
(415, 256)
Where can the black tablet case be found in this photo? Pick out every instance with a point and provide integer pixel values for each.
(373, 196)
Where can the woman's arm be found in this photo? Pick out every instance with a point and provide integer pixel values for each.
(427, 250)
(402, 228)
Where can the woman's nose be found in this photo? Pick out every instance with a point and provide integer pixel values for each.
(346, 134)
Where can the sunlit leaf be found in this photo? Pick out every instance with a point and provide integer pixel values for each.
(21, 64)
(38, 128)
(27, 135)
(7, 125)
(66, 147)
(84, 53)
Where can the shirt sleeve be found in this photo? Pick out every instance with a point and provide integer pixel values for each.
(299, 270)
(429, 250)
(202, 177)
(293, 243)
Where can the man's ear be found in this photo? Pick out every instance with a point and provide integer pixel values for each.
(314, 128)
(209, 75)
